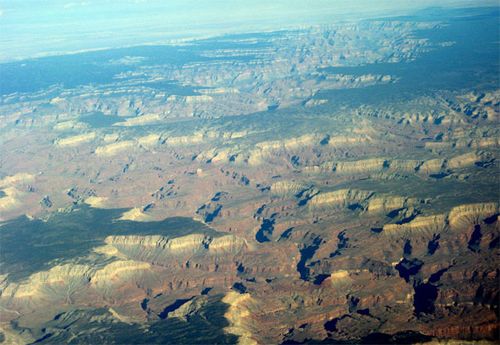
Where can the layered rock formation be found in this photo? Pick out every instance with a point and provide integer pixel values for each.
(346, 202)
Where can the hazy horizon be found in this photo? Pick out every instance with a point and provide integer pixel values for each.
(33, 29)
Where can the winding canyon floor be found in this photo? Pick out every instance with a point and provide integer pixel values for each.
(327, 185)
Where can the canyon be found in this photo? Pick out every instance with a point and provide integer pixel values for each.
(290, 187)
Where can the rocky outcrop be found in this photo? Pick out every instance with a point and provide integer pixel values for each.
(189, 308)
(135, 214)
(340, 279)
(96, 201)
(238, 316)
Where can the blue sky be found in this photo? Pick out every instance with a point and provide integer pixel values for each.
(31, 28)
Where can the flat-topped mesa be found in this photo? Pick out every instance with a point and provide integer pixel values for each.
(340, 198)
(361, 166)
(159, 248)
(76, 140)
(421, 224)
(388, 203)
(470, 214)
(286, 188)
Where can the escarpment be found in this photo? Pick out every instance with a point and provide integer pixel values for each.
(388, 203)
(68, 280)
(470, 214)
(76, 140)
(47, 284)
(239, 317)
(286, 188)
(161, 250)
(340, 198)
(421, 224)
(408, 166)
(459, 217)
(363, 166)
